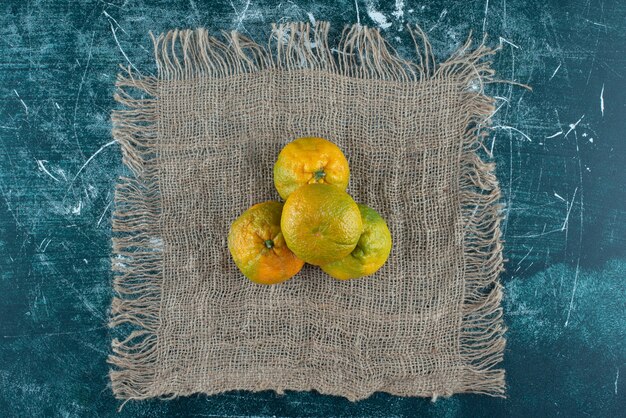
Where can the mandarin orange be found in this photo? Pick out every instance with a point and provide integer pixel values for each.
(310, 160)
(258, 247)
(321, 223)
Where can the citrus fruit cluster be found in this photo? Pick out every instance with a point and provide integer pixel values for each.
(319, 223)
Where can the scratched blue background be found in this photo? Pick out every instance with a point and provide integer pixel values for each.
(560, 152)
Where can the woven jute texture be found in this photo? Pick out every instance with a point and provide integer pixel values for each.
(201, 138)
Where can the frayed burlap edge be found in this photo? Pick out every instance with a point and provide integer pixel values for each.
(137, 247)
(361, 53)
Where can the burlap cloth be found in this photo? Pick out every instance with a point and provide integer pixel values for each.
(201, 139)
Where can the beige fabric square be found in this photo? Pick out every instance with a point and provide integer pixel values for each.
(201, 139)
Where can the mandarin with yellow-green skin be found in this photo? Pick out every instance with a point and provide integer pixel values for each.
(370, 253)
(321, 223)
(257, 245)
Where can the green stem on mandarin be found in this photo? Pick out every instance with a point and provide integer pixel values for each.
(319, 175)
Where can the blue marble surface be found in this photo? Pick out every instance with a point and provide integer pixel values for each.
(560, 151)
